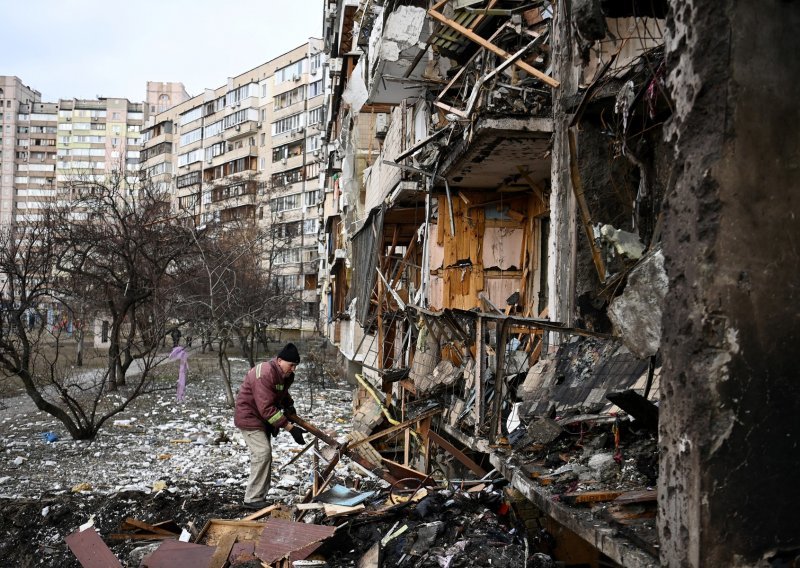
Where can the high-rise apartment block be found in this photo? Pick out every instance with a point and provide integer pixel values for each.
(46, 146)
(247, 154)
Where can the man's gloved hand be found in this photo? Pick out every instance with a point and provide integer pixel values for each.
(297, 434)
(291, 411)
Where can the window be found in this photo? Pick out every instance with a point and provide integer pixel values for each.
(315, 61)
(311, 198)
(286, 283)
(191, 136)
(293, 122)
(291, 72)
(312, 143)
(316, 115)
(311, 309)
(288, 256)
(190, 157)
(212, 129)
(315, 89)
(188, 179)
(239, 117)
(284, 203)
(215, 150)
(190, 116)
(289, 98)
(287, 177)
(310, 226)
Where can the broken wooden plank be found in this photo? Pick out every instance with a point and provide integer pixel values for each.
(177, 554)
(469, 34)
(215, 530)
(371, 558)
(332, 510)
(644, 496)
(586, 218)
(141, 536)
(458, 454)
(309, 506)
(580, 497)
(395, 428)
(260, 513)
(131, 523)
(223, 551)
(90, 550)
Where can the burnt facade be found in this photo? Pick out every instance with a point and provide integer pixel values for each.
(540, 260)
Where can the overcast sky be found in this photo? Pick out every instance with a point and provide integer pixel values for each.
(86, 48)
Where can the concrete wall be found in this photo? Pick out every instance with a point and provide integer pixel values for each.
(729, 429)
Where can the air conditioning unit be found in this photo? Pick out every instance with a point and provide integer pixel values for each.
(316, 153)
(259, 124)
(238, 127)
(381, 124)
(69, 119)
(283, 160)
(209, 161)
(238, 104)
(296, 78)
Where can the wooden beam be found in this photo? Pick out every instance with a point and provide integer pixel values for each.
(456, 453)
(492, 47)
(577, 187)
(395, 428)
(260, 513)
(223, 551)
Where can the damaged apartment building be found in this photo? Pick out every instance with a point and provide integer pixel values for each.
(549, 255)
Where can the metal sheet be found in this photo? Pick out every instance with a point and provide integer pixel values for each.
(281, 538)
(91, 551)
(177, 554)
(341, 495)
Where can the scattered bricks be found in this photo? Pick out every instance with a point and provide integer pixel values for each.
(366, 450)
(367, 416)
(422, 368)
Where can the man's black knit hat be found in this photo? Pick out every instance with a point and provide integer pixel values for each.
(289, 353)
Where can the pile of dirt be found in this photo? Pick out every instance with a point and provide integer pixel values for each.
(34, 529)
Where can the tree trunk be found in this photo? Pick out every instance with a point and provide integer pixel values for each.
(225, 369)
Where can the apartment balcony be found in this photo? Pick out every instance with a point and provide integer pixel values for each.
(247, 128)
(242, 192)
(394, 74)
(502, 152)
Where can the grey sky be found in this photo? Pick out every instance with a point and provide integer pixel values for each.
(85, 48)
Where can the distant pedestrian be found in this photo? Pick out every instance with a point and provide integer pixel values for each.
(176, 336)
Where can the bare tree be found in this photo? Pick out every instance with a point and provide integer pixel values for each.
(107, 248)
(232, 293)
(33, 343)
(121, 241)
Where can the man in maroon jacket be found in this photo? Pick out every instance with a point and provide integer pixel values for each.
(261, 407)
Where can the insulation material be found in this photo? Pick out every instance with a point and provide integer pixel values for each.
(502, 248)
(355, 93)
(435, 293)
(499, 289)
(436, 250)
